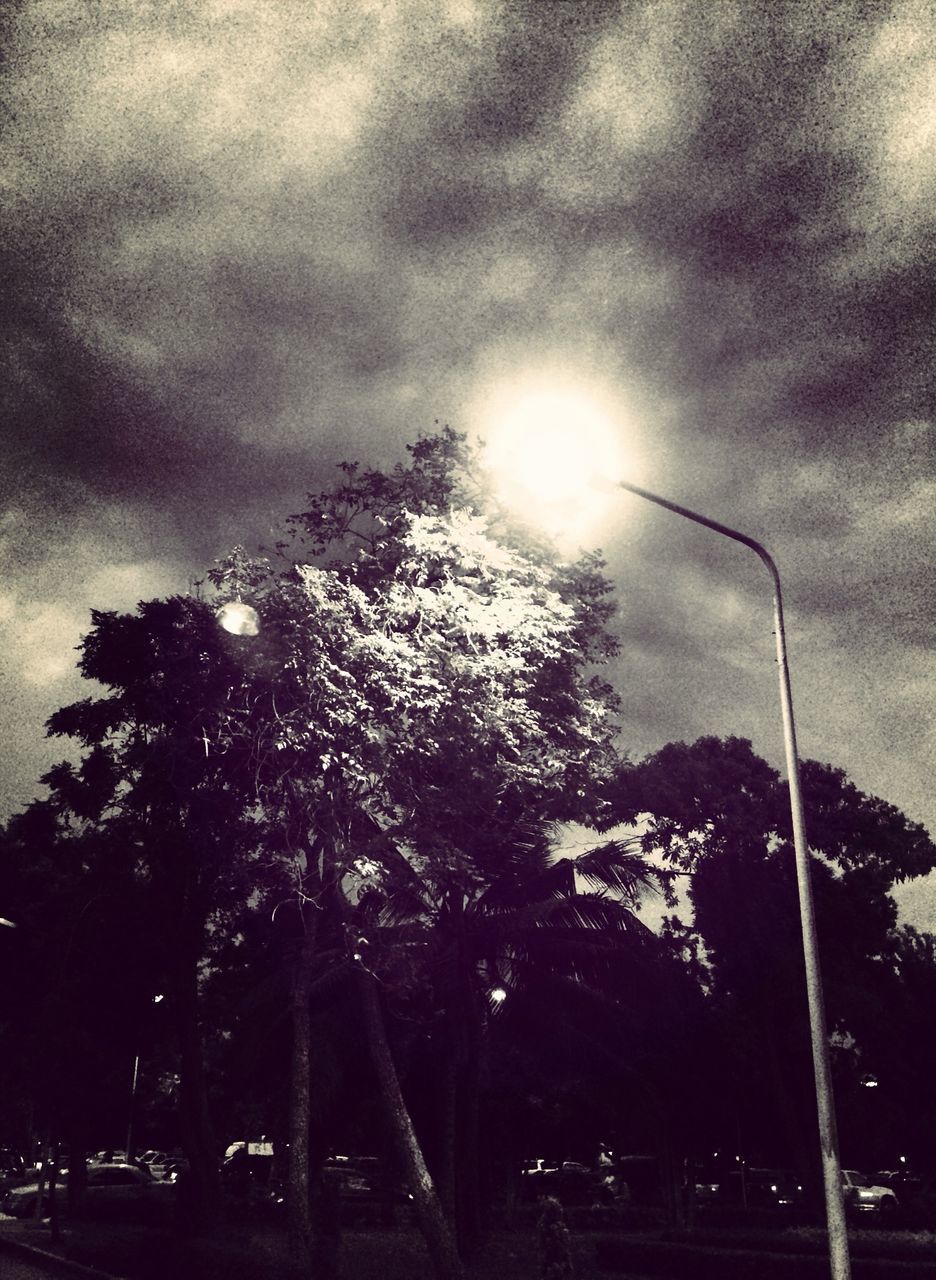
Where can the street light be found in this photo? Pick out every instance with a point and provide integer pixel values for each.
(564, 471)
(239, 619)
(131, 1118)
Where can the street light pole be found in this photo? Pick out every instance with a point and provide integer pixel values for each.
(132, 1117)
(131, 1120)
(831, 1172)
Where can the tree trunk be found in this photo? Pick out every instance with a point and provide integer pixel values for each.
(204, 1192)
(449, 1135)
(77, 1168)
(298, 1203)
(671, 1179)
(469, 1101)
(54, 1229)
(439, 1241)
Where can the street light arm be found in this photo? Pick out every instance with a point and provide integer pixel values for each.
(831, 1173)
(709, 524)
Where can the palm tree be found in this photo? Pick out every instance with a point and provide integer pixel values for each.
(475, 931)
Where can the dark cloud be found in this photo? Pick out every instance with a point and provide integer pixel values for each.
(245, 241)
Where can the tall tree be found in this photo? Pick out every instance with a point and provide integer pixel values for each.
(720, 815)
(178, 812)
(426, 679)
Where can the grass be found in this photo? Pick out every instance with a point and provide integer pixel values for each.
(258, 1252)
(144, 1254)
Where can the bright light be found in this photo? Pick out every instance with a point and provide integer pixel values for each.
(240, 619)
(498, 995)
(554, 449)
(554, 445)
(158, 999)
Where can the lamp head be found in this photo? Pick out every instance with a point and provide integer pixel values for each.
(239, 619)
(554, 453)
(554, 444)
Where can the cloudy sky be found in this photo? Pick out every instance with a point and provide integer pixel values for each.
(246, 239)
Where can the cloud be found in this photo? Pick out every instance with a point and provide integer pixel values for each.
(41, 628)
(246, 240)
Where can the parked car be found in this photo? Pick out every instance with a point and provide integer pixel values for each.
(707, 1186)
(169, 1166)
(905, 1186)
(570, 1182)
(151, 1157)
(115, 1190)
(365, 1188)
(864, 1196)
(12, 1166)
(761, 1189)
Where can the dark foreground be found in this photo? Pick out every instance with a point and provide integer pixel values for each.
(244, 1251)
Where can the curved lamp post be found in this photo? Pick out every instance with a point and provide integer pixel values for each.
(527, 440)
(831, 1173)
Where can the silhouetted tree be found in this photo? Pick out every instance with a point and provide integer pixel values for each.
(720, 815)
(153, 785)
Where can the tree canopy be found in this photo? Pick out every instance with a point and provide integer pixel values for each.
(385, 757)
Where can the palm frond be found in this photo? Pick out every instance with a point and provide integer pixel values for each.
(405, 904)
(621, 867)
(508, 891)
(588, 912)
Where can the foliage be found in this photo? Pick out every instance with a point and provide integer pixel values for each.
(720, 815)
(426, 676)
(81, 968)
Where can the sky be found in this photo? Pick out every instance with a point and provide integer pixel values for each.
(246, 240)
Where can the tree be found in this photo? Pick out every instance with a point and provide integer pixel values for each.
(81, 967)
(443, 938)
(427, 680)
(720, 815)
(172, 811)
(886, 1095)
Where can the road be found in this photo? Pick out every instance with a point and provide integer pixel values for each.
(14, 1267)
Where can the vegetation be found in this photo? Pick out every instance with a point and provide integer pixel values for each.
(330, 841)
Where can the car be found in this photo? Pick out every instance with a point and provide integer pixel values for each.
(707, 1186)
(12, 1168)
(569, 1181)
(168, 1165)
(152, 1157)
(365, 1188)
(760, 1189)
(864, 1196)
(114, 1190)
(905, 1186)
